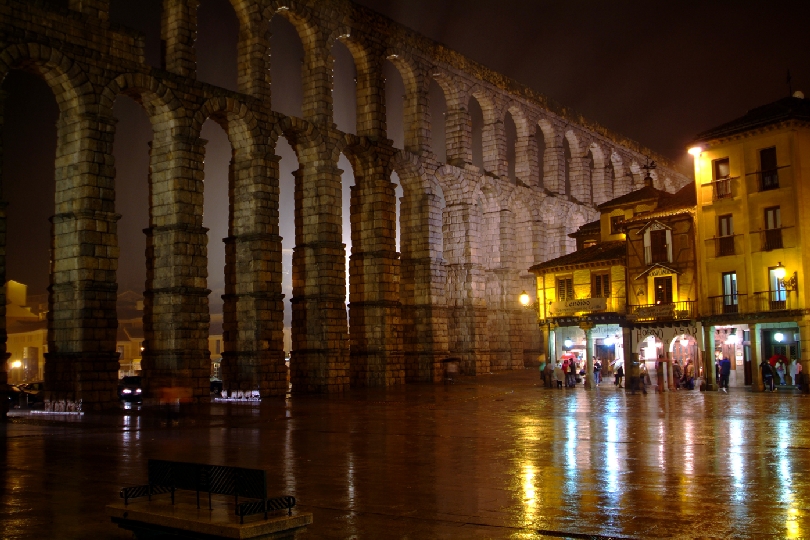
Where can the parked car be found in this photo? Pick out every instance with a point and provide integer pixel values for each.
(32, 394)
(130, 388)
(216, 386)
(13, 394)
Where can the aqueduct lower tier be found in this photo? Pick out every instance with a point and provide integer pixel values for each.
(468, 234)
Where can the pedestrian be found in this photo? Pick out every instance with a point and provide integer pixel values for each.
(689, 376)
(597, 371)
(549, 374)
(559, 375)
(643, 377)
(767, 376)
(780, 371)
(571, 379)
(677, 374)
(792, 371)
(725, 371)
(619, 375)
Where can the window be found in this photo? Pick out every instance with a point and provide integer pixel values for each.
(722, 182)
(616, 224)
(730, 300)
(777, 294)
(768, 170)
(663, 290)
(600, 285)
(565, 289)
(725, 232)
(588, 243)
(659, 251)
(773, 228)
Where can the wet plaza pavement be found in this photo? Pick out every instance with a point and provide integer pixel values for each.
(496, 456)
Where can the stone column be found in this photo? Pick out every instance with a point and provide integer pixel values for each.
(178, 32)
(669, 377)
(253, 74)
(554, 169)
(424, 312)
(804, 336)
(320, 359)
(176, 317)
(374, 310)
(755, 337)
(253, 322)
(81, 370)
(627, 347)
(370, 92)
(580, 176)
(602, 188)
(708, 359)
(589, 381)
(458, 130)
(493, 145)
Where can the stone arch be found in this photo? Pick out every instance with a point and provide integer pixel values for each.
(525, 148)
(550, 161)
(235, 117)
(413, 108)
(601, 188)
(456, 125)
(166, 113)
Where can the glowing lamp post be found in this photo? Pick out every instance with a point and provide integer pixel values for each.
(525, 299)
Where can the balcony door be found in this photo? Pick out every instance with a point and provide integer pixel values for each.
(777, 294)
(730, 304)
(773, 228)
(663, 290)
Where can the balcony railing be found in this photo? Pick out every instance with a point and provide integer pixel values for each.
(772, 239)
(768, 179)
(666, 312)
(778, 300)
(728, 303)
(659, 255)
(725, 245)
(722, 189)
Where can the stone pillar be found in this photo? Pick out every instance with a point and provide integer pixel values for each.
(527, 171)
(493, 145)
(580, 176)
(316, 79)
(554, 169)
(709, 374)
(376, 357)
(589, 381)
(804, 359)
(81, 368)
(755, 337)
(466, 287)
(253, 313)
(319, 360)
(176, 317)
(670, 379)
(627, 347)
(424, 312)
(93, 8)
(602, 187)
(458, 130)
(370, 93)
(178, 32)
(253, 75)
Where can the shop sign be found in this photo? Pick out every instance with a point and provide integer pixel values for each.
(653, 312)
(583, 305)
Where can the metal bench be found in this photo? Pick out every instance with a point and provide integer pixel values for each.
(170, 476)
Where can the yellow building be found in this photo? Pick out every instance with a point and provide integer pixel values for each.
(753, 183)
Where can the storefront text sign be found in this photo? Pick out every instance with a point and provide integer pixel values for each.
(583, 305)
(653, 312)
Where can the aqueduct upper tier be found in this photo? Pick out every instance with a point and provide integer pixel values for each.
(468, 233)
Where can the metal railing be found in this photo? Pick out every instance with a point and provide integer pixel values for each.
(772, 239)
(656, 312)
(727, 303)
(657, 256)
(777, 300)
(725, 245)
(768, 179)
(722, 189)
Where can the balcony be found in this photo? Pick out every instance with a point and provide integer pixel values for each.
(663, 312)
(772, 239)
(768, 180)
(724, 245)
(727, 304)
(658, 255)
(778, 300)
(722, 189)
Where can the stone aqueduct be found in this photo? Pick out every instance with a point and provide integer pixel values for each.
(468, 235)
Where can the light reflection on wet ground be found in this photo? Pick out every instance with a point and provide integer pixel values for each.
(492, 457)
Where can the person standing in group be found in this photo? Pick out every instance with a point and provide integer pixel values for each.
(548, 370)
(767, 376)
(677, 374)
(571, 375)
(725, 372)
(780, 371)
(690, 375)
(792, 371)
(597, 371)
(559, 375)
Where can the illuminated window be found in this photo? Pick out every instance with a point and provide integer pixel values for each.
(616, 224)
(565, 288)
(600, 285)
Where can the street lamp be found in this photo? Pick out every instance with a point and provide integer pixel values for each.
(789, 284)
(525, 299)
(568, 343)
(695, 151)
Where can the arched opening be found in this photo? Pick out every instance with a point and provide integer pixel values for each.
(511, 141)
(133, 135)
(566, 165)
(347, 183)
(394, 104)
(540, 141)
(344, 89)
(216, 45)
(398, 193)
(286, 61)
(288, 164)
(438, 113)
(216, 200)
(476, 119)
(143, 16)
(29, 151)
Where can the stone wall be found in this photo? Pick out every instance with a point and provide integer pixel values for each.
(468, 235)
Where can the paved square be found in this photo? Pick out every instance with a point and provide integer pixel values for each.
(496, 456)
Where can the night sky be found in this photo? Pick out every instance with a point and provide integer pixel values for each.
(657, 72)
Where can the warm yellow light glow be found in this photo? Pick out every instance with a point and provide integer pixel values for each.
(524, 298)
(695, 151)
(16, 364)
(779, 271)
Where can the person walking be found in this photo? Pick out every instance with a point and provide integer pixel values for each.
(725, 372)
(597, 371)
(548, 372)
(780, 371)
(690, 375)
(792, 372)
(619, 375)
(767, 376)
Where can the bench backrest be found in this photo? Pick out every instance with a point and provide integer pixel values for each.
(219, 479)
